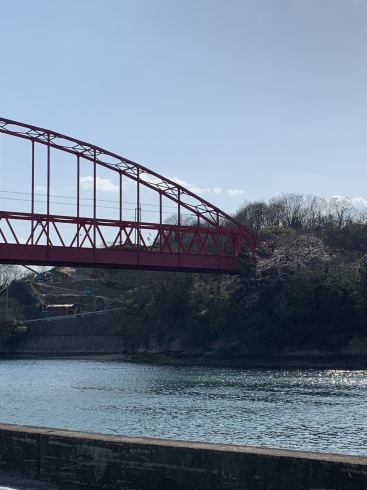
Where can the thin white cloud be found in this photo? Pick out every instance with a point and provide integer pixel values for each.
(40, 188)
(154, 180)
(235, 192)
(150, 180)
(105, 185)
(178, 181)
(198, 190)
(191, 187)
(195, 188)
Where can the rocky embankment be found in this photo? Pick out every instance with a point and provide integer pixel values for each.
(231, 354)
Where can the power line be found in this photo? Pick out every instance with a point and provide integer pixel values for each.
(81, 199)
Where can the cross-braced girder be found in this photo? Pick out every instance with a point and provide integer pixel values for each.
(197, 236)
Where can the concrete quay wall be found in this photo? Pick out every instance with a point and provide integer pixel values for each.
(75, 336)
(126, 463)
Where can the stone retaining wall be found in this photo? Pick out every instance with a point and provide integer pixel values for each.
(125, 463)
(72, 336)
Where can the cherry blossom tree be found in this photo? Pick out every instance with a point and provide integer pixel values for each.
(287, 253)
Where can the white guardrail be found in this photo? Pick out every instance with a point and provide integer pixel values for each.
(69, 317)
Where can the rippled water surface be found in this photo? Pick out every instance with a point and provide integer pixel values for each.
(310, 409)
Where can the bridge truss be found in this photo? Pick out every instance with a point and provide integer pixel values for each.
(122, 231)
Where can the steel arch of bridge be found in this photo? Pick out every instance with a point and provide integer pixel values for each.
(206, 242)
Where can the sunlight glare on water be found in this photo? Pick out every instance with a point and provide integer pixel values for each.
(320, 410)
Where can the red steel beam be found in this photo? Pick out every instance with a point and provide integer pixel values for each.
(11, 253)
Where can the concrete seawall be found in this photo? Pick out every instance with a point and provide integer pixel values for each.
(76, 336)
(125, 463)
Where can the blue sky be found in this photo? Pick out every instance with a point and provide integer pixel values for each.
(236, 99)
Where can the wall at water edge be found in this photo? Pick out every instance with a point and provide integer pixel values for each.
(125, 463)
(86, 335)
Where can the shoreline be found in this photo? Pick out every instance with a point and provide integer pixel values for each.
(257, 361)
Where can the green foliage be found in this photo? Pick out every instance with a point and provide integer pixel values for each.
(10, 329)
(20, 329)
(305, 287)
(11, 311)
(25, 292)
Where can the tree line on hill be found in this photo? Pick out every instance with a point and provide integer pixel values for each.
(304, 287)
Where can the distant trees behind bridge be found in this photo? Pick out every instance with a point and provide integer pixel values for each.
(305, 286)
(299, 211)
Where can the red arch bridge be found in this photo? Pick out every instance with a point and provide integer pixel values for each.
(66, 202)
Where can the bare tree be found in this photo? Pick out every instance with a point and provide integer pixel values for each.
(361, 217)
(315, 212)
(43, 268)
(341, 209)
(253, 214)
(276, 211)
(9, 273)
(295, 210)
(185, 220)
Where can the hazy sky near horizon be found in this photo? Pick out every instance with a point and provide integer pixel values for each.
(237, 99)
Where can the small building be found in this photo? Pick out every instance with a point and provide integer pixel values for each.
(64, 310)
